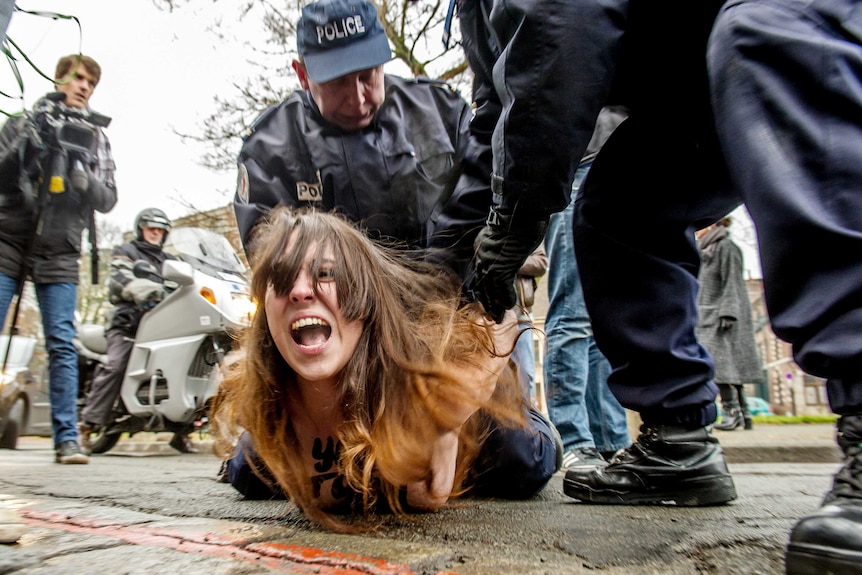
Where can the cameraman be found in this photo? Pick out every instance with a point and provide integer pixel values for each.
(133, 296)
(41, 224)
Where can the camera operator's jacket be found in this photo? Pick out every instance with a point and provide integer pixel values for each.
(393, 176)
(133, 296)
(57, 242)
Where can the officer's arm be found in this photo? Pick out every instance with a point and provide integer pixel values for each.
(456, 221)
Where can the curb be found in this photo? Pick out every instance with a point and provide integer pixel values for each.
(782, 454)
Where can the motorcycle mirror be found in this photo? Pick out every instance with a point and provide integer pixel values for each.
(179, 272)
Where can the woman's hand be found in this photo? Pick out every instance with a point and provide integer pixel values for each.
(432, 494)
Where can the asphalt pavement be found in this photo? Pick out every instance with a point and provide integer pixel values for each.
(145, 509)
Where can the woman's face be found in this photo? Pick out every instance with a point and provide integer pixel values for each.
(308, 328)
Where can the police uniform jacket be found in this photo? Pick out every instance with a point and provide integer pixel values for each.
(57, 241)
(132, 295)
(394, 176)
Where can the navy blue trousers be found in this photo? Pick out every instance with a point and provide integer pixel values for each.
(785, 78)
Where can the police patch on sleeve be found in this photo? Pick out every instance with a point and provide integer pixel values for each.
(242, 183)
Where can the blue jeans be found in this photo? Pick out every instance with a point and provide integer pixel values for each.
(524, 357)
(57, 302)
(580, 403)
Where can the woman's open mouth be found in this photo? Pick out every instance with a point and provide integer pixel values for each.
(310, 331)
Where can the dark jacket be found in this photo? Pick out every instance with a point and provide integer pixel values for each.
(543, 70)
(131, 295)
(56, 246)
(723, 295)
(393, 177)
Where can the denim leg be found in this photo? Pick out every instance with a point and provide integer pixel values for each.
(524, 357)
(566, 371)
(579, 402)
(8, 287)
(57, 303)
(608, 423)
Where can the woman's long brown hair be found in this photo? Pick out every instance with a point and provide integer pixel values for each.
(407, 366)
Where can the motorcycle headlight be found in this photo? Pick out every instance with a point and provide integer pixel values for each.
(243, 305)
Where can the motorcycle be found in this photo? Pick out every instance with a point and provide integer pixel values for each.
(173, 369)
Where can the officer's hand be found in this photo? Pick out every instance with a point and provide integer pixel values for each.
(500, 249)
(725, 323)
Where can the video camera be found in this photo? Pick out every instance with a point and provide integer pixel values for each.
(67, 138)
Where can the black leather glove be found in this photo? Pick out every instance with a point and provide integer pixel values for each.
(500, 249)
(725, 323)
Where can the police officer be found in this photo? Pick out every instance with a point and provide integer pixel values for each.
(40, 238)
(382, 150)
(393, 155)
(780, 102)
(132, 297)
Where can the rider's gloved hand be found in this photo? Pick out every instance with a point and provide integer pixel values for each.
(141, 291)
(501, 248)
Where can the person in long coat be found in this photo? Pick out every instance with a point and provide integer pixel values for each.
(725, 327)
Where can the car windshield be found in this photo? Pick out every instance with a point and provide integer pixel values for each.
(200, 245)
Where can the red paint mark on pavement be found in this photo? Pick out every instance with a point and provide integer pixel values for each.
(278, 556)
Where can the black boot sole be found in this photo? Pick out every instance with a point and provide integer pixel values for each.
(821, 560)
(695, 492)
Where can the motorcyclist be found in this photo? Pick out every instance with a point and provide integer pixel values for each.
(132, 297)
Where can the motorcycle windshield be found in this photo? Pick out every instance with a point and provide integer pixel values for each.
(203, 247)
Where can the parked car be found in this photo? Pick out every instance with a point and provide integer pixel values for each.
(759, 406)
(756, 406)
(24, 405)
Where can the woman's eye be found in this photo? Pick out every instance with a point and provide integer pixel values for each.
(326, 274)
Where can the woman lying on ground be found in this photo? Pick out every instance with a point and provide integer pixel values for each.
(363, 381)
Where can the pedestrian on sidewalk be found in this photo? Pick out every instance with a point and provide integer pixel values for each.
(724, 324)
(364, 381)
(41, 240)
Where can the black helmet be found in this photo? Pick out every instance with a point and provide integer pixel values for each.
(152, 218)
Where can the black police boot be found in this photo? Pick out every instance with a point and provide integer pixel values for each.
(830, 540)
(731, 416)
(668, 465)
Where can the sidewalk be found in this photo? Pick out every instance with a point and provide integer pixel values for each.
(792, 443)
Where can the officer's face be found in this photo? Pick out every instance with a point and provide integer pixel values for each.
(78, 88)
(350, 102)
